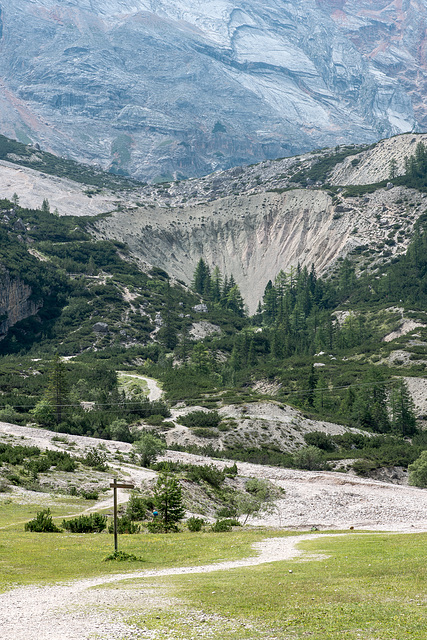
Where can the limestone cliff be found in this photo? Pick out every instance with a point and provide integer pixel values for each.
(15, 302)
(161, 89)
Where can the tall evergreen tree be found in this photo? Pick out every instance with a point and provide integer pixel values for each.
(168, 501)
(403, 419)
(370, 406)
(202, 278)
(57, 388)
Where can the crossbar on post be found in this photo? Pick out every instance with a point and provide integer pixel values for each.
(118, 485)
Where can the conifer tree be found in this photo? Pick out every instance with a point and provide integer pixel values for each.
(403, 419)
(168, 501)
(56, 392)
(202, 278)
(370, 406)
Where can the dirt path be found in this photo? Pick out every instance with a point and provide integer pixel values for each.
(154, 391)
(76, 611)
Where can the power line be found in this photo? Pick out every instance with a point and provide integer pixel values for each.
(135, 404)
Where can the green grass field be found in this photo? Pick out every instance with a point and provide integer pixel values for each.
(362, 586)
(371, 587)
(41, 558)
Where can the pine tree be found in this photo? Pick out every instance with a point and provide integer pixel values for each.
(168, 501)
(56, 392)
(216, 285)
(370, 406)
(403, 419)
(45, 206)
(202, 278)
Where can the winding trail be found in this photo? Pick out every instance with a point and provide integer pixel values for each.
(76, 611)
(154, 390)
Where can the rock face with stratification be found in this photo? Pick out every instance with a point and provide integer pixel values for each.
(15, 301)
(163, 89)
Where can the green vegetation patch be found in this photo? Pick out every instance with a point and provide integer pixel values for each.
(369, 586)
(31, 558)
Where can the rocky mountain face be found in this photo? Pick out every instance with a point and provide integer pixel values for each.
(161, 89)
(15, 301)
(253, 221)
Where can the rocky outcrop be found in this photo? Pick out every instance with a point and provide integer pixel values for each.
(181, 88)
(15, 302)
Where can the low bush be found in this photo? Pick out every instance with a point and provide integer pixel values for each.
(310, 458)
(158, 526)
(320, 440)
(95, 458)
(418, 471)
(224, 525)
(202, 432)
(363, 467)
(91, 494)
(42, 523)
(209, 419)
(93, 523)
(124, 525)
(208, 473)
(229, 511)
(137, 507)
(195, 524)
(122, 556)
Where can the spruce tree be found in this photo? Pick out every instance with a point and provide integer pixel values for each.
(403, 419)
(168, 501)
(56, 392)
(202, 278)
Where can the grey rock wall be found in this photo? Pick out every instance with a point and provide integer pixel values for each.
(15, 303)
(180, 88)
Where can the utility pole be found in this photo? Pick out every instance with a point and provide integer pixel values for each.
(118, 485)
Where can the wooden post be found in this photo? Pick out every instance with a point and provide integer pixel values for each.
(117, 485)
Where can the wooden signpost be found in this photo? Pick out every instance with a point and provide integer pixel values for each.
(118, 485)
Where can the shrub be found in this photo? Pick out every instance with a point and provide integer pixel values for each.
(208, 473)
(202, 432)
(93, 523)
(148, 447)
(207, 419)
(229, 511)
(122, 556)
(96, 458)
(8, 414)
(91, 494)
(137, 507)
(364, 467)
(320, 440)
(4, 486)
(230, 472)
(155, 420)
(418, 471)
(124, 525)
(310, 458)
(224, 525)
(168, 502)
(42, 523)
(195, 524)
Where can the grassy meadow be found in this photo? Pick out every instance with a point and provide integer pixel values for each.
(361, 586)
(370, 587)
(43, 558)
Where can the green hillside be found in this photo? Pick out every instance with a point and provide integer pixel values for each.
(314, 343)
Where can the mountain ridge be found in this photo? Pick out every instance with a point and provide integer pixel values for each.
(164, 90)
